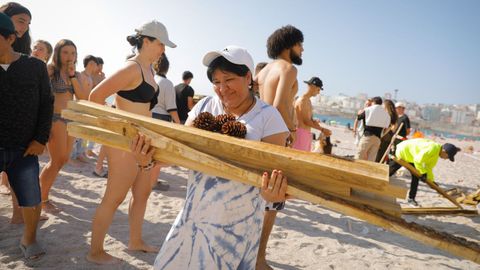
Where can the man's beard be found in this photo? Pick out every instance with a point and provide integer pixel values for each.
(296, 59)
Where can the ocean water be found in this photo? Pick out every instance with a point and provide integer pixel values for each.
(342, 121)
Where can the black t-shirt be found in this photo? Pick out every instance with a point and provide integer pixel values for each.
(182, 92)
(26, 103)
(406, 125)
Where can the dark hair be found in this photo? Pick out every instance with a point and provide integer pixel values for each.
(259, 67)
(225, 65)
(283, 39)
(187, 75)
(390, 107)
(377, 100)
(89, 58)
(48, 46)
(5, 33)
(99, 61)
(162, 65)
(22, 44)
(56, 61)
(137, 40)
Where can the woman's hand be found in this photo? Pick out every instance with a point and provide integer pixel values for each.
(141, 149)
(71, 69)
(274, 188)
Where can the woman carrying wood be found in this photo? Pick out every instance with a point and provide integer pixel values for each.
(220, 224)
(136, 92)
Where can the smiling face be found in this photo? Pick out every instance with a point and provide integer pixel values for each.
(21, 23)
(233, 90)
(40, 51)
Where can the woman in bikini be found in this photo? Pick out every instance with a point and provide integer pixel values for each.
(65, 85)
(136, 92)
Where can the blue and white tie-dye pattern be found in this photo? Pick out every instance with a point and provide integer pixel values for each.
(220, 225)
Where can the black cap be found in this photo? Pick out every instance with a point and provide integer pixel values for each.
(315, 81)
(451, 150)
(6, 24)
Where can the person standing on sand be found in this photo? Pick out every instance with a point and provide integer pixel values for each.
(25, 98)
(303, 111)
(278, 85)
(423, 154)
(136, 92)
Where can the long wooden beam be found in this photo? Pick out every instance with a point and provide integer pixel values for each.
(452, 244)
(370, 177)
(439, 211)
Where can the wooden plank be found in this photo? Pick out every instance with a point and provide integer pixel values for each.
(433, 186)
(425, 235)
(171, 151)
(438, 211)
(392, 141)
(370, 177)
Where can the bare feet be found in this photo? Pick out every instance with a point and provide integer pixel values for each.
(4, 190)
(19, 219)
(262, 265)
(50, 208)
(103, 258)
(143, 247)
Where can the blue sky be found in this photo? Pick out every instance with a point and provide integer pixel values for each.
(429, 50)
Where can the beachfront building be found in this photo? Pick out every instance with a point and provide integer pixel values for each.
(465, 117)
(431, 113)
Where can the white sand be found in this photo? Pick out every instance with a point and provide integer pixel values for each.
(306, 236)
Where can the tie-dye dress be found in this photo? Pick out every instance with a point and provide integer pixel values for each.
(220, 224)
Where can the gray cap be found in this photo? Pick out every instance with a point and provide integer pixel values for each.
(156, 30)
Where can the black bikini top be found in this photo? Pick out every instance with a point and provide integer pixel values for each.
(143, 93)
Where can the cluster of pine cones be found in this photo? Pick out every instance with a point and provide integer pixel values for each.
(223, 123)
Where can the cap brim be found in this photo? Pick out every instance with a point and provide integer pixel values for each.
(170, 44)
(451, 158)
(209, 57)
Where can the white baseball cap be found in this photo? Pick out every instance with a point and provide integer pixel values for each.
(400, 104)
(234, 54)
(156, 30)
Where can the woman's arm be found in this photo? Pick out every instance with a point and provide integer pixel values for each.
(126, 78)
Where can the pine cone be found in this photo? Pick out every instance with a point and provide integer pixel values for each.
(235, 129)
(205, 121)
(222, 119)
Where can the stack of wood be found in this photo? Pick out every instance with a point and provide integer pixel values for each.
(356, 188)
(467, 199)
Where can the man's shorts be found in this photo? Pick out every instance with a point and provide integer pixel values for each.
(277, 206)
(22, 175)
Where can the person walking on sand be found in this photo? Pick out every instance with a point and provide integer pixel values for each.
(136, 92)
(220, 224)
(20, 144)
(278, 85)
(66, 83)
(303, 111)
(184, 96)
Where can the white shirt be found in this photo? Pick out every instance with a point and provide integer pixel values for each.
(166, 96)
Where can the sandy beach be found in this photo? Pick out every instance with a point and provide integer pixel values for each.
(306, 236)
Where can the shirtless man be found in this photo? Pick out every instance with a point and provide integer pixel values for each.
(91, 66)
(277, 83)
(303, 111)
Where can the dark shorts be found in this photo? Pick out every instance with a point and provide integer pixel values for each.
(22, 175)
(277, 206)
(163, 117)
